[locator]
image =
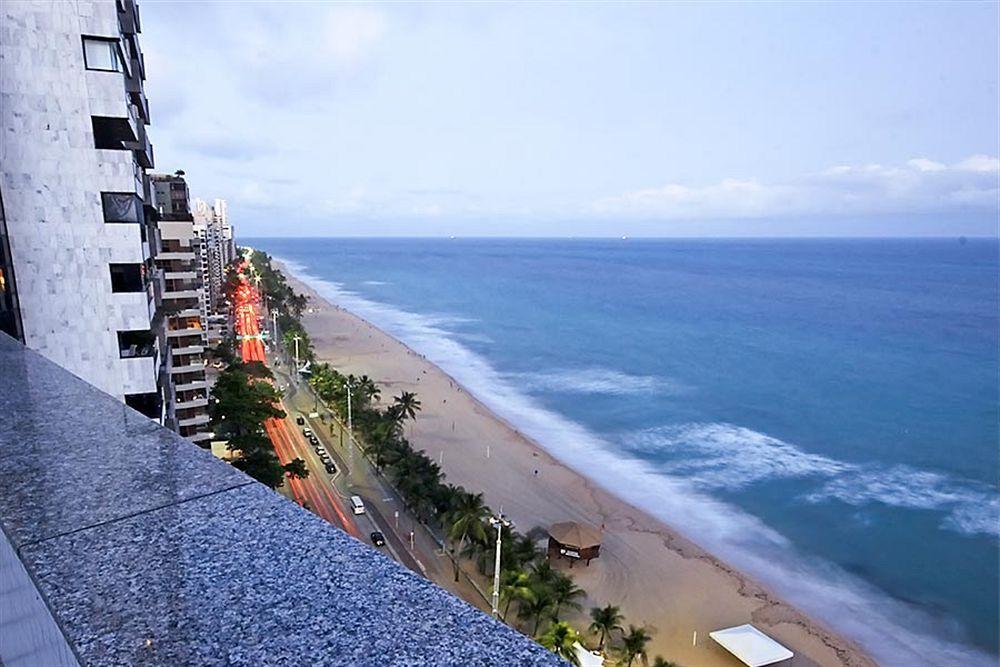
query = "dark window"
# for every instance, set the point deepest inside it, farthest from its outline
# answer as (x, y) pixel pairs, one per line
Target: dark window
(121, 207)
(127, 278)
(102, 54)
(111, 132)
(147, 404)
(139, 343)
(178, 186)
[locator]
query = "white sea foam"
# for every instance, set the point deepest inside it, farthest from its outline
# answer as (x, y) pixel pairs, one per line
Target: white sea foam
(896, 634)
(727, 456)
(594, 381)
(724, 456)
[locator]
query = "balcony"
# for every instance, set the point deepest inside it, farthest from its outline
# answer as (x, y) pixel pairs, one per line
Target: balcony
(200, 436)
(191, 386)
(141, 146)
(187, 368)
(190, 403)
(197, 420)
(190, 349)
(179, 255)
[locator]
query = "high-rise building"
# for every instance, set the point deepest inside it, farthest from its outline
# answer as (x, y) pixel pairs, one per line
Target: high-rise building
(77, 279)
(183, 337)
(218, 251)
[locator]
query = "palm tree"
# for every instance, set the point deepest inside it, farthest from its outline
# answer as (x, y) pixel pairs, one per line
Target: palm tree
(406, 405)
(537, 607)
(561, 640)
(605, 621)
(515, 586)
(660, 661)
(468, 521)
(634, 644)
(565, 593)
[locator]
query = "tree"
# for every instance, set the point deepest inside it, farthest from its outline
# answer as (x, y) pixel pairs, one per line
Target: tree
(537, 607)
(561, 639)
(565, 593)
(606, 620)
(406, 405)
(296, 468)
(634, 645)
(467, 520)
(514, 586)
(660, 661)
(241, 405)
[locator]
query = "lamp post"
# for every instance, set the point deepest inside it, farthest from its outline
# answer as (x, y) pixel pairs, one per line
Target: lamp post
(499, 522)
(350, 424)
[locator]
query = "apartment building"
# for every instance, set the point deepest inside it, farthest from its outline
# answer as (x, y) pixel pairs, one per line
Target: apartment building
(218, 250)
(183, 337)
(77, 278)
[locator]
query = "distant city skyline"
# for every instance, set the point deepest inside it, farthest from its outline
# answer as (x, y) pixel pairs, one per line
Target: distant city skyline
(323, 119)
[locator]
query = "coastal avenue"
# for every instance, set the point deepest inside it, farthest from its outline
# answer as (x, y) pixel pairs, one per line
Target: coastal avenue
(286, 439)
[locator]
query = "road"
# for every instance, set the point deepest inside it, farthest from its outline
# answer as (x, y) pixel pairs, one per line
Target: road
(328, 495)
(315, 491)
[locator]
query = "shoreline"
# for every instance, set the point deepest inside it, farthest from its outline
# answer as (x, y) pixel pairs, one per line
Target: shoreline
(659, 577)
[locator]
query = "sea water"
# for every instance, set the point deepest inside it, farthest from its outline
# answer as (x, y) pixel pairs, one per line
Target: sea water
(821, 413)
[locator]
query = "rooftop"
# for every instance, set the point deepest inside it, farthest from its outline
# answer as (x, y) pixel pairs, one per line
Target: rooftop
(124, 543)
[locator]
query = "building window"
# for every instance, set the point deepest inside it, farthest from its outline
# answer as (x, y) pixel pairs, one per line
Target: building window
(140, 343)
(101, 54)
(111, 132)
(121, 207)
(147, 404)
(127, 278)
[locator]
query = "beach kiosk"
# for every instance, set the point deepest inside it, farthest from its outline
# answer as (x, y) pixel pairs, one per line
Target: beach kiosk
(574, 541)
(751, 646)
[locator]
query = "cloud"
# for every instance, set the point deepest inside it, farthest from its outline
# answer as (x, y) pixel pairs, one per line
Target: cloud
(353, 33)
(920, 185)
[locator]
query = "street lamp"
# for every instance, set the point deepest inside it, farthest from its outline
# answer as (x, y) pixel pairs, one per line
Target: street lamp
(350, 425)
(499, 522)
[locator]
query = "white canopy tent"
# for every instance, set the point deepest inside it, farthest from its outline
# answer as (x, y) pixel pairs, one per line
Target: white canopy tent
(751, 646)
(587, 658)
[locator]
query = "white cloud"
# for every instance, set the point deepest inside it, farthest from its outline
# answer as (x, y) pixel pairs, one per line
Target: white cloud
(919, 185)
(353, 33)
(980, 163)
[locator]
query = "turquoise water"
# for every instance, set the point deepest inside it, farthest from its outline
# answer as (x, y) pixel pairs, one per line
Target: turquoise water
(822, 413)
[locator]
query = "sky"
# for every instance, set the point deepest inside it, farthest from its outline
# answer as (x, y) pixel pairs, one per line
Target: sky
(581, 119)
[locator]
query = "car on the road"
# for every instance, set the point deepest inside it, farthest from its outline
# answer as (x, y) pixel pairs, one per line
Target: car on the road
(313, 439)
(307, 432)
(300, 420)
(330, 468)
(357, 505)
(378, 539)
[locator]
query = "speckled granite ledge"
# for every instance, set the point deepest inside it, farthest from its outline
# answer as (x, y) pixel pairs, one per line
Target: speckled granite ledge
(148, 551)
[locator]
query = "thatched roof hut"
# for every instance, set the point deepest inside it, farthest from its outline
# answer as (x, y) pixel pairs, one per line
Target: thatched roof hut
(574, 541)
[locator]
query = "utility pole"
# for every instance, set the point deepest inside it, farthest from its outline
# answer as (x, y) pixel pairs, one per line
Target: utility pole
(499, 522)
(350, 424)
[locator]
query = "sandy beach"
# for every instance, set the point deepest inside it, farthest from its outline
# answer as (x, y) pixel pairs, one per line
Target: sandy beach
(659, 578)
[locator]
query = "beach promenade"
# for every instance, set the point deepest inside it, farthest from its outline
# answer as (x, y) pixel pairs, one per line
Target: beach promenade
(658, 577)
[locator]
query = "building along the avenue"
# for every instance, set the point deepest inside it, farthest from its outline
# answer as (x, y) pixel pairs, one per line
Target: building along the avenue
(77, 278)
(184, 338)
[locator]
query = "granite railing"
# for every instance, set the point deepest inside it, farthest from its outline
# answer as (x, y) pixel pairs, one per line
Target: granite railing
(124, 544)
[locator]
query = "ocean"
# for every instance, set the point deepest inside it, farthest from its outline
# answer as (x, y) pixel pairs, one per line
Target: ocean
(821, 413)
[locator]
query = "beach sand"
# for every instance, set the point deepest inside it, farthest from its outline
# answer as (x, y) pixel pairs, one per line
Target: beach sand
(659, 578)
